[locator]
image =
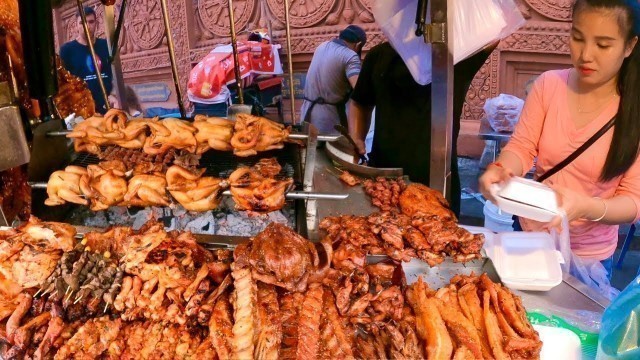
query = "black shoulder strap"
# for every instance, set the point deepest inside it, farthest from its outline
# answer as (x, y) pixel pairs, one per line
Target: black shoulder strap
(578, 151)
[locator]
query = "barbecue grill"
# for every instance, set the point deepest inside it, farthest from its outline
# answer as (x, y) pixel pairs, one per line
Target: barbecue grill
(53, 152)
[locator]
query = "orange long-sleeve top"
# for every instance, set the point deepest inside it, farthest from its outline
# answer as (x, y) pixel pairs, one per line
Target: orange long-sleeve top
(547, 132)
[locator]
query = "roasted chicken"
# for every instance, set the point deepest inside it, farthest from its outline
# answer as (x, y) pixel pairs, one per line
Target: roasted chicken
(170, 134)
(147, 190)
(104, 184)
(194, 191)
(253, 191)
(253, 134)
(418, 198)
(64, 186)
(213, 133)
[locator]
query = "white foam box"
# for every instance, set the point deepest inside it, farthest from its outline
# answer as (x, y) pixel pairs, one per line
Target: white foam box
(526, 198)
(525, 260)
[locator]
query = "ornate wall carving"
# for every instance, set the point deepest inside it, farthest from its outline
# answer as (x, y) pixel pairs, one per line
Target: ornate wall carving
(553, 9)
(546, 33)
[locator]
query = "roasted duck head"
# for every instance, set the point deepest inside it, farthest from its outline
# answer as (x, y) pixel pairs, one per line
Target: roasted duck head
(281, 257)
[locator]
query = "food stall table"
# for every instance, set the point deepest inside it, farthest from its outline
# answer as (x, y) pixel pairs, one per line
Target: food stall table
(486, 132)
(570, 294)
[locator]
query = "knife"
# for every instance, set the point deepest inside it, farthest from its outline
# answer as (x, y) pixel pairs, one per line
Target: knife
(344, 132)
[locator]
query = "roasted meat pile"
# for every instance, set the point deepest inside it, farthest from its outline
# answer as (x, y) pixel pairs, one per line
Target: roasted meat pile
(150, 294)
(247, 136)
(400, 237)
(110, 183)
(142, 162)
(472, 318)
(157, 289)
(384, 192)
(15, 193)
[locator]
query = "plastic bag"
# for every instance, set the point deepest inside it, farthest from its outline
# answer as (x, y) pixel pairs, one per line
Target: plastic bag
(588, 271)
(585, 324)
(503, 112)
(476, 23)
(620, 330)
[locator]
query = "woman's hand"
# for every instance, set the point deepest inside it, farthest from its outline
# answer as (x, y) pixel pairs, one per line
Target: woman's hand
(575, 206)
(495, 174)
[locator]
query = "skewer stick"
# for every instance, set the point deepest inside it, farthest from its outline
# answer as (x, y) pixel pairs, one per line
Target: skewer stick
(45, 292)
(36, 294)
(69, 297)
(106, 306)
(77, 300)
(67, 291)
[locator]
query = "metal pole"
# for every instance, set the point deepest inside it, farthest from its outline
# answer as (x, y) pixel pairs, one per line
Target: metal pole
(236, 58)
(83, 16)
(288, 36)
(172, 57)
(441, 96)
(110, 30)
(116, 35)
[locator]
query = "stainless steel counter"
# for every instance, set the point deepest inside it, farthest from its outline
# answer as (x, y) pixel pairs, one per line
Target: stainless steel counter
(570, 294)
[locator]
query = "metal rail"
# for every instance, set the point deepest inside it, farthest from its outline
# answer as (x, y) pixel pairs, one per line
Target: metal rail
(172, 57)
(326, 138)
(291, 195)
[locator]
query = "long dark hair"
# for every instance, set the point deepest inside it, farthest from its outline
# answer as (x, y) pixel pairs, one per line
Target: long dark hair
(625, 144)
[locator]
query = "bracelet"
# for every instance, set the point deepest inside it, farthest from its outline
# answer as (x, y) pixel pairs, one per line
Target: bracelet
(605, 210)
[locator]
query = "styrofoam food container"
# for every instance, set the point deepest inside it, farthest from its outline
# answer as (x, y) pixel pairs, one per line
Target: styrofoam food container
(526, 260)
(558, 343)
(526, 198)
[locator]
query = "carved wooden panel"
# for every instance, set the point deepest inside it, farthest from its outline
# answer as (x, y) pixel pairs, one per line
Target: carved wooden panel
(144, 24)
(553, 9)
(544, 38)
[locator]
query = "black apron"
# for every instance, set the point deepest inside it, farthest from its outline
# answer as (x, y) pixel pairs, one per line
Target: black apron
(340, 106)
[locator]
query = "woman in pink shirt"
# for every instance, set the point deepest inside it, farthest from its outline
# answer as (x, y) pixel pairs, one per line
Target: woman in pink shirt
(601, 188)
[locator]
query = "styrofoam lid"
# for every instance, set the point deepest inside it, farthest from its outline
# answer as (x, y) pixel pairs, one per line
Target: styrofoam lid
(527, 198)
(526, 260)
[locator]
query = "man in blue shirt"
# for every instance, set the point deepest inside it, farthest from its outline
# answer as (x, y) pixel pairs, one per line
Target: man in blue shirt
(76, 57)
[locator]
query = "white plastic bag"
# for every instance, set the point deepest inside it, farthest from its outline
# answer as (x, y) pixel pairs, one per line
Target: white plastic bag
(590, 272)
(476, 24)
(503, 112)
